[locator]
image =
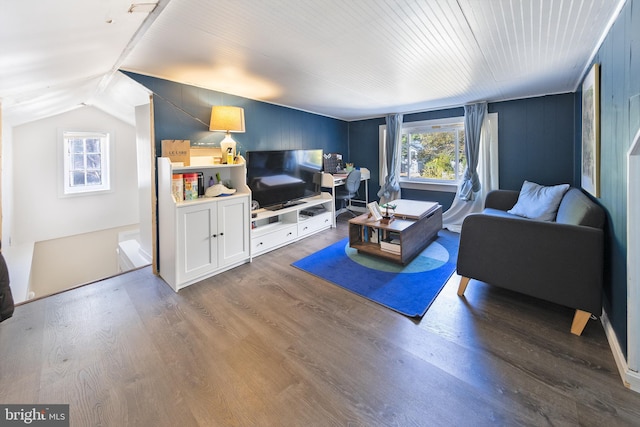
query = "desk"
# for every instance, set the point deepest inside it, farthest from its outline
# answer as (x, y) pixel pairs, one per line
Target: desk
(330, 182)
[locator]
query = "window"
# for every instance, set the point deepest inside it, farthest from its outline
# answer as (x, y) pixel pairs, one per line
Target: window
(86, 162)
(432, 151)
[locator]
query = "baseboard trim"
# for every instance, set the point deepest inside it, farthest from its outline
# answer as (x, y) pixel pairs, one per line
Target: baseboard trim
(630, 379)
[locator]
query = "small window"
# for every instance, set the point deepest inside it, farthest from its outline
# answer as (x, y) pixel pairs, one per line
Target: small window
(86, 162)
(432, 151)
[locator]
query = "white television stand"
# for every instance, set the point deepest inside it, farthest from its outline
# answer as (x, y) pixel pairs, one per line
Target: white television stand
(272, 229)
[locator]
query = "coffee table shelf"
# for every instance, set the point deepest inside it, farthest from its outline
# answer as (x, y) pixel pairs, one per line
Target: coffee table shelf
(412, 232)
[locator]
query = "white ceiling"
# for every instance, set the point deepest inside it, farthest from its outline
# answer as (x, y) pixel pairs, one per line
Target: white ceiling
(345, 59)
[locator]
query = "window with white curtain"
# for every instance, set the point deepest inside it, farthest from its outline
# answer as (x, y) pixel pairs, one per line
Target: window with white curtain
(86, 162)
(432, 153)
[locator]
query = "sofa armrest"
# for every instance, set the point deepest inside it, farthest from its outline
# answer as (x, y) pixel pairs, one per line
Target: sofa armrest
(501, 199)
(561, 263)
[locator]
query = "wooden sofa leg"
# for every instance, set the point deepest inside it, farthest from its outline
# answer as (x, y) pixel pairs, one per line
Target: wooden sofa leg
(579, 322)
(464, 281)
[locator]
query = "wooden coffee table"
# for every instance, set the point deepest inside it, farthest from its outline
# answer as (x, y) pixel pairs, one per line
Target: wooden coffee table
(414, 226)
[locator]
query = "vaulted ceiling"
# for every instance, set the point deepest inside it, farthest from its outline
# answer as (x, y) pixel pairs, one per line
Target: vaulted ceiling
(345, 59)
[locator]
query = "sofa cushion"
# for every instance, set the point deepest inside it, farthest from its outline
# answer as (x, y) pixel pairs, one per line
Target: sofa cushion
(501, 214)
(577, 209)
(539, 202)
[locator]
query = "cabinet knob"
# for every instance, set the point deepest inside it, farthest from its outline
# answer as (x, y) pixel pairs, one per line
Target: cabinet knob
(222, 234)
(214, 235)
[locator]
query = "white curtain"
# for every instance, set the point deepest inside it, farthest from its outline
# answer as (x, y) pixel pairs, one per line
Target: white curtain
(390, 188)
(487, 170)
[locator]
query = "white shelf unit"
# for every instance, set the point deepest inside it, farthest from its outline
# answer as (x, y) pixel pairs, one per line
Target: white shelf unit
(273, 229)
(203, 237)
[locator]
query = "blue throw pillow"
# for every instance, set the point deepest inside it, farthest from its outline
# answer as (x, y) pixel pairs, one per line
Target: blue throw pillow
(539, 202)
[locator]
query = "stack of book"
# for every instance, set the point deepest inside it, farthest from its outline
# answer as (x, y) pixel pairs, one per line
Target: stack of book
(392, 246)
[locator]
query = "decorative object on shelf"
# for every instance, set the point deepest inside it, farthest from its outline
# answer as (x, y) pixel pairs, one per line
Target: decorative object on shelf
(590, 177)
(218, 190)
(177, 150)
(227, 119)
(387, 217)
(374, 211)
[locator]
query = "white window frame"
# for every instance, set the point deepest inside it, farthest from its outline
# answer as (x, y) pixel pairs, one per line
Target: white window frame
(66, 189)
(420, 183)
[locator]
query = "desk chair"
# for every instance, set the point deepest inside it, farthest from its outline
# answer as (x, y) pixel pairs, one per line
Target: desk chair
(350, 190)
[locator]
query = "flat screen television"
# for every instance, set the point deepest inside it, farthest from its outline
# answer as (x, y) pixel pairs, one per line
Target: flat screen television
(280, 178)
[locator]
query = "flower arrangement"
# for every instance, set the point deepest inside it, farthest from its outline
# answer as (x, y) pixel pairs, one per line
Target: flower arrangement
(387, 217)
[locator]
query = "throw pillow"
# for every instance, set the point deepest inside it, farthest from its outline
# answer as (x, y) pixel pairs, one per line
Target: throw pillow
(539, 202)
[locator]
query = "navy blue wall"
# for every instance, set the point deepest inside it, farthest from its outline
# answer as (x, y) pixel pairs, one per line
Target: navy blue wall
(619, 59)
(183, 112)
(363, 150)
(535, 140)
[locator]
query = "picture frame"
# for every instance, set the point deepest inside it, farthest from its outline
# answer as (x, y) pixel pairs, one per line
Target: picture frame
(590, 169)
(375, 211)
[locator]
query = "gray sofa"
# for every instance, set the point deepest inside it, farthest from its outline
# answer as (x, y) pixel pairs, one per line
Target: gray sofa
(559, 261)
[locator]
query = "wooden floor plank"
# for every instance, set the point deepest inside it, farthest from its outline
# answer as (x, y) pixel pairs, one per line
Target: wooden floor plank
(268, 344)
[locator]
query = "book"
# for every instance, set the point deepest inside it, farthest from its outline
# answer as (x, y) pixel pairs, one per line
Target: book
(391, 251)
(391, 246)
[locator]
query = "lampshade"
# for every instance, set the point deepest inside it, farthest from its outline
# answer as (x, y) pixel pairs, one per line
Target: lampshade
(227, 119)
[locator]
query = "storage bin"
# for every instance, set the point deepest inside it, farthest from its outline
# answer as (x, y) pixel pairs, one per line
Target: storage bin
(190, 186)
(177, 187)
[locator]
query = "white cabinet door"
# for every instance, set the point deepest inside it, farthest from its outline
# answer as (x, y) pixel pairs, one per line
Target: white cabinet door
(315, 223)
(233, 240)
(197, 240)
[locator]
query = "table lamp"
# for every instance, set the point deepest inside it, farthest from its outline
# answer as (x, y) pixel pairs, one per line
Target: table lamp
(227, 119)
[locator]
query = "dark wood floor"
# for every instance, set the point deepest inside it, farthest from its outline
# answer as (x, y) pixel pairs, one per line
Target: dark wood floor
(269, 345)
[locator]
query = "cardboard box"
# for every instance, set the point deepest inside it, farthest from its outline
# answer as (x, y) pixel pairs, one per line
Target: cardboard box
(178, 150)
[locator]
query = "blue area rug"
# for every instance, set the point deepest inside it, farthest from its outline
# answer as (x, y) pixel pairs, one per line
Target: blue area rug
(409, 289)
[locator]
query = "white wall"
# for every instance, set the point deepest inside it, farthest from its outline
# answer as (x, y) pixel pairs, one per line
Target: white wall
(38, 213)
(145, 160)
(7, 181)
(18, 258)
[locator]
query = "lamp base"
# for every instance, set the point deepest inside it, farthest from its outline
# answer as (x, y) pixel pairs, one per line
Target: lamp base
(226, 144)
